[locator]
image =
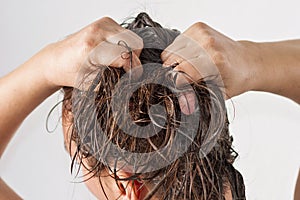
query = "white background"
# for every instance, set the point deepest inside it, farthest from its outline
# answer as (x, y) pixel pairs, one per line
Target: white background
(266, 127)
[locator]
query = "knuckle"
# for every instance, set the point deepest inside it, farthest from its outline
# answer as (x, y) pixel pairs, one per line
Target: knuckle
(200, 25)
(219, 59)
(92, 29)
(106, 19)
(181, 68)
(97, 27)
(90, 36)
(135, 42)
(88, 43)
(94, 33)
(210, 42)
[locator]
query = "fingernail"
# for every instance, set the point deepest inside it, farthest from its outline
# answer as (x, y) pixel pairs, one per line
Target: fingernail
(165, 65)
(187, 103)
(181, 80)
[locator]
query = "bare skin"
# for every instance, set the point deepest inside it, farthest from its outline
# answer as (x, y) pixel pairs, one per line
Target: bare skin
(297, 189)
(243, 65)
(41, 75)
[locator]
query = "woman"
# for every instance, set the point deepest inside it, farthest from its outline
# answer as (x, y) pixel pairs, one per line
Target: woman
(231, 58)
(129, 132)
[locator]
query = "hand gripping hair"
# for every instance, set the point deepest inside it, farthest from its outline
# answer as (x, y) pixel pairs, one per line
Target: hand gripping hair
(137, 126)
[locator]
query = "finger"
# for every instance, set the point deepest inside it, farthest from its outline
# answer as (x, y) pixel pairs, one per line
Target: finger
(190, 52)
(201, 67)
(175, 46)
(187, 102)
(204, 67)
(184, 47)
(134, 66)
(130, 63)
(128, 37)
(187, 74)
(108, 54)
(115, 56)
(172, 60)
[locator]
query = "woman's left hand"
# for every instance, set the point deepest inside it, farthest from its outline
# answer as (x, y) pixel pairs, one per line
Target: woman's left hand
(97, 44)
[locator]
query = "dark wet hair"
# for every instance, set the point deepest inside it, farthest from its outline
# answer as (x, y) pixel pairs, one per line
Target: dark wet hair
(203, 171)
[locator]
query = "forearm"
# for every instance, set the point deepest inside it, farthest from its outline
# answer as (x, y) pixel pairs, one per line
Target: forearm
(297, 189)
(278, 68)
(6, 193)
(21, 92)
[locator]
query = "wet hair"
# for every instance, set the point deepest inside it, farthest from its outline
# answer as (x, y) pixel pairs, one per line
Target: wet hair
(203, 171)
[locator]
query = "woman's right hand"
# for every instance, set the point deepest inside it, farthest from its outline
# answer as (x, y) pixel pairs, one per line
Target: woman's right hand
(61, 61)
(202, 52)
(242, 66)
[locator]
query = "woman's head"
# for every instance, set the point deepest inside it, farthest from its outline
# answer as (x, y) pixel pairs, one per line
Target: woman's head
(132, 140)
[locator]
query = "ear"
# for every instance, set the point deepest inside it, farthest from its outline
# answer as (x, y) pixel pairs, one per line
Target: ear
(130, 190)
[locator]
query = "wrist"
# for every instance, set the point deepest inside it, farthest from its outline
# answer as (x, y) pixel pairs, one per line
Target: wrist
(250, 66)
(264, 65)
(268, 65)
(48, 63)
(39, 66)
(279, 68)
(62, 61)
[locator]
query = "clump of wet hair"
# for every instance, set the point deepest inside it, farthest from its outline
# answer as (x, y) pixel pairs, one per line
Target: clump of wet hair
(192, 175)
